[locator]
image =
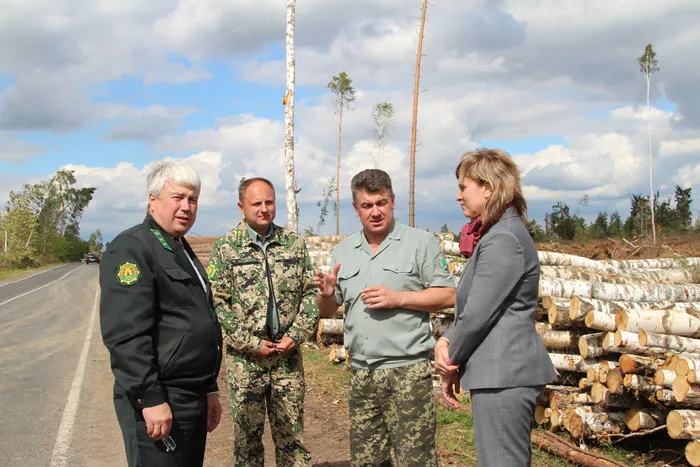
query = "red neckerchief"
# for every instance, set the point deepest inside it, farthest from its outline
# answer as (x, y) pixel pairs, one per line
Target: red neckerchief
(471, 234)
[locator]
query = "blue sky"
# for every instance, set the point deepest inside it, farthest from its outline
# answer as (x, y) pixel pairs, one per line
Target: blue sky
(105, 88)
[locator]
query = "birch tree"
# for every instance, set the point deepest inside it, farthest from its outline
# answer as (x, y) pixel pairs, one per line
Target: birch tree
(341, 87)
(648, 65)
(382, 123)
(414, 127)
(289, 175)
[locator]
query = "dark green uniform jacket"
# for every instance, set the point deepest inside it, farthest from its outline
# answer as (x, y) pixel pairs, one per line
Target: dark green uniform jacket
(157, 322)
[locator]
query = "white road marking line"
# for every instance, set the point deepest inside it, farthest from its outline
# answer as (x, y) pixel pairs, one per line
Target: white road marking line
(45, 285)
(29, 277)
(59, 457)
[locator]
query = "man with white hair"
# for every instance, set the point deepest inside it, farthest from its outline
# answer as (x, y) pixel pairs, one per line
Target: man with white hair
(159, 324)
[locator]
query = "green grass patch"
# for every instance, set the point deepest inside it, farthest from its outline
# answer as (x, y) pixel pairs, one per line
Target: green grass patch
(8, 274)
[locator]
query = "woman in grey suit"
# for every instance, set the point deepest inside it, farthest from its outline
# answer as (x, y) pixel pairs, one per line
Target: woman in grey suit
(492, 348)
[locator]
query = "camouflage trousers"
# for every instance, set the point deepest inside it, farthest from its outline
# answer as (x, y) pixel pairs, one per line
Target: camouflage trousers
(276, 384)
(392, 407)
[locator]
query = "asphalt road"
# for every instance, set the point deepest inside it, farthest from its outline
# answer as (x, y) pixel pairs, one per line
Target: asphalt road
(48, 337)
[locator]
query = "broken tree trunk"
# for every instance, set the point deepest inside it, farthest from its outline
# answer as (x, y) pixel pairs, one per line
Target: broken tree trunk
(591, 345)
(552, 443)
(669, 342)
(675, 322)
(637, 364)
(644, 419)
(683, 424)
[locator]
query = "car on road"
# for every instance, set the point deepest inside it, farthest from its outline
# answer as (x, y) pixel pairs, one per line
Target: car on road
(92, 258)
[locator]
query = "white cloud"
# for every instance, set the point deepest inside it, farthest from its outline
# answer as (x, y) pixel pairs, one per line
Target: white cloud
(679, 147)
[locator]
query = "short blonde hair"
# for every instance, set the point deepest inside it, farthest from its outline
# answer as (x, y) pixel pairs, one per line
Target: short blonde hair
(495, 167)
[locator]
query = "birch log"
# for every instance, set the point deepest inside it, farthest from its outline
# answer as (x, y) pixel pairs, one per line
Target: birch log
(683, 424)
(657, 263)
(559, 340)
(564, 288)
(639, 384)
(338, 354)
(683, 391)
(644, 419)
(675, 322)
(600, 321)
(665, 378)
(598, 424)
(580, 306)
(558, 314)
(614, 382)
(329, 330)
(591, 345)
(550, 258)
(572, 412)
(559, 400)
(645, 293)
(566, 362)
(692, 453)
(542, 414)
(684, 363)
(594, 372)
(629, 342)
(630, 363)
(669, 342)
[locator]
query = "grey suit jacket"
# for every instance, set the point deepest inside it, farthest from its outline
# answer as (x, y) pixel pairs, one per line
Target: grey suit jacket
(493, 336)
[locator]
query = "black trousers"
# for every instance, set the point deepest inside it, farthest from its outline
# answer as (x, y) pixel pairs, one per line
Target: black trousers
(189, 431)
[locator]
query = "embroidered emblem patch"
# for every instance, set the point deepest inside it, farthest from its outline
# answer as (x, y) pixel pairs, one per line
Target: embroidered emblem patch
(211, 271)
(128, 273)
(161, 239)
(443, 265)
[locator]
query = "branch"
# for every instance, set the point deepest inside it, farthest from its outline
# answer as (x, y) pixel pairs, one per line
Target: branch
(621, 437)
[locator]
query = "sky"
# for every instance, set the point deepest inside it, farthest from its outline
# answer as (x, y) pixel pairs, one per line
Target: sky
(105, 88)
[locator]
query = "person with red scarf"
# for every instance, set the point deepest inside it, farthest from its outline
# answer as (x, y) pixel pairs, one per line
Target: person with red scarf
(492, 348)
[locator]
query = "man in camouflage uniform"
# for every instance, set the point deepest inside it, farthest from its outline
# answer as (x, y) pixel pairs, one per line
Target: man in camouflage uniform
(389, 277)
(264, 293)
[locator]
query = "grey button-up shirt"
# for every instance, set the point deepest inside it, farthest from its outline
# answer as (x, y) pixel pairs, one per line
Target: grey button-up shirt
(407, 260)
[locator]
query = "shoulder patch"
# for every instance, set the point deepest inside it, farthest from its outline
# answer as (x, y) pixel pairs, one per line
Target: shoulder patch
(443, 264)
(161, 239)
(238, 237)
(128, 273)
(211, 271)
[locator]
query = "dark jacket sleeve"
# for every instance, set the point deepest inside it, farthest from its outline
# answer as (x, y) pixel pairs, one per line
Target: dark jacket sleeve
(500, 265)
(128, 319)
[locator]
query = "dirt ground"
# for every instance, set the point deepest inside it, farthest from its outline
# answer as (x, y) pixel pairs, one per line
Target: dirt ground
(629, 248)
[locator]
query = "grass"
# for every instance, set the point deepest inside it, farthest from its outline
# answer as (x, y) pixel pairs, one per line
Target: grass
(7, 274)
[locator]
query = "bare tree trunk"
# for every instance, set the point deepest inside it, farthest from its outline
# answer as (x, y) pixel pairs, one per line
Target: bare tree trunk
(337, 173)
(289, 178)
(414, 128)
(651, 169)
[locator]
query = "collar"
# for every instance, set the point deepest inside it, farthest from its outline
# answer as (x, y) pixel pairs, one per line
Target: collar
(165, 239)
(395, 233)
(256, 236)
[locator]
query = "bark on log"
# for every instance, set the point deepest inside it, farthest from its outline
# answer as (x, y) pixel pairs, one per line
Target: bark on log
(550, 258)
(591, 345)
(558, 314)
(685, 363)
(566, 362)
(683, 424)
(669, 342)
(563, 288)
(584, 384)
(665, 378)
(560, 400)
(450, 248)
(600, 321)
(576, 411)
(330, 331)
(598, 424)
(692, 453)
(646, 292)
(558, 446)
(640, 385)
(656, 263)
(644, 419)
(629, 342)
(675, 322)
(559, 340)
(604, 369)
(580, 306)
(637, 364)
(588, 274)
(439, 323)
(601, 396)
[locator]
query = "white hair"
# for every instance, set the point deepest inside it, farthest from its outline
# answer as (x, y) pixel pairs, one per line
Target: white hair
(176, 171)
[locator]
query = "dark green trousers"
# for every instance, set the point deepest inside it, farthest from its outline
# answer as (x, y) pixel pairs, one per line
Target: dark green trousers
(189, 431)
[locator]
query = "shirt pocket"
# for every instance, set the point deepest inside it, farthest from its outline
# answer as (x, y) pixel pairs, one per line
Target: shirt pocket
(399, 276)
(349, 283)
(179, 290)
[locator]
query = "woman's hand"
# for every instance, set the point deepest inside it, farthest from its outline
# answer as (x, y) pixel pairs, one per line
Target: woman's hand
(450, 389)
(443, 365)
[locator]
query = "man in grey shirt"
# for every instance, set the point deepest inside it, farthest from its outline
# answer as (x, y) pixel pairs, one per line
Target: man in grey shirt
(390, 277)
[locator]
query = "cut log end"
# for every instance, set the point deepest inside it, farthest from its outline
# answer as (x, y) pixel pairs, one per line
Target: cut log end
(692, 453)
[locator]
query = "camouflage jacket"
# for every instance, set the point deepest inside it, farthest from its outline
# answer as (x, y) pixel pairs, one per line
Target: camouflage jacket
(240, 288)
